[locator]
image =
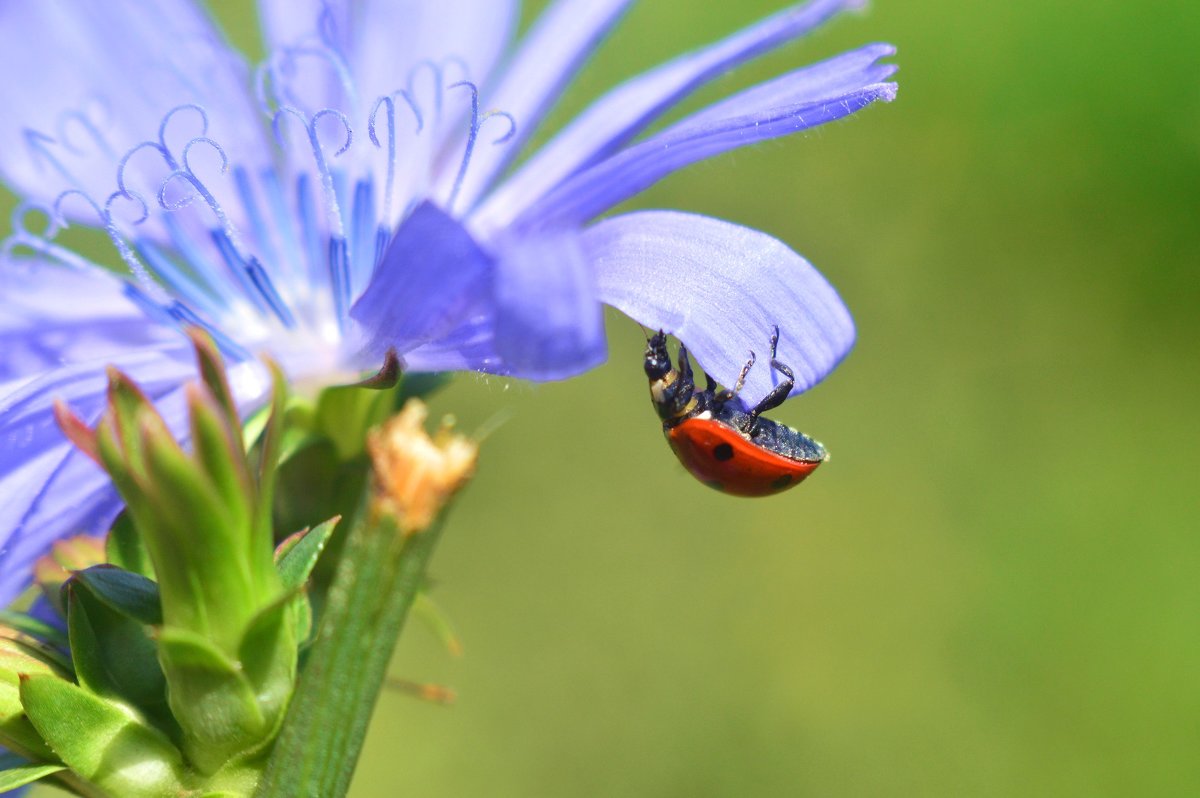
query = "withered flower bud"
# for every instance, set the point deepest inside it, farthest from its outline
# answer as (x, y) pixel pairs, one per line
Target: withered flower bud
(416, 474)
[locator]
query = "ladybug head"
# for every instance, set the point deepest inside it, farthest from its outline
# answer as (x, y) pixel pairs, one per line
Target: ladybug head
(671, 389)
(658, 361)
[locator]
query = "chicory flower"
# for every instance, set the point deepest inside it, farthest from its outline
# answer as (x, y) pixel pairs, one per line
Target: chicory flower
(365, 191)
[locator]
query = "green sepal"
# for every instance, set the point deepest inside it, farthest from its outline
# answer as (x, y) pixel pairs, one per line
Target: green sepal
(100, 741)
(124, 547)
(268, 658)
(270, 443)
(198, 542)
(113, 457)
(116, 658)
(16, 732)
(212, 699)
(37, 649)
(65, 557)
(129, 594)
(295, 559)
(219, 455)
(126, 403)
(344, 414)
(313, 484)
(212, 373)
(14, 776)
(296, 556)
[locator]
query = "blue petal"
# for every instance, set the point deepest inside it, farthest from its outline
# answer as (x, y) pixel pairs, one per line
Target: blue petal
(431, 276)
(378, 44)
(549, 324)
(549, 56)
(97, 79)
(721, 288)
(48, 489)
(471, 346)
(794, 102)
(615, 119)
(51, 315)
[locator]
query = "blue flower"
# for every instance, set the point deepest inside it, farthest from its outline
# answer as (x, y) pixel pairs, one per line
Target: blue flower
(365, 189)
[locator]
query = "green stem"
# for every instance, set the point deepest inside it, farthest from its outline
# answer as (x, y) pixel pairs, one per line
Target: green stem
(378, 576)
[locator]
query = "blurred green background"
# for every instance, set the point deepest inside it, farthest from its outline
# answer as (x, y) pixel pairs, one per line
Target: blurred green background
(992, 589)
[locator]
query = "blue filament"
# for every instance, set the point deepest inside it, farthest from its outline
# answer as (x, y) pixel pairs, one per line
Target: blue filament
(318, 264)
(236, 267)
(362, 229)
(201, 264)
(177, 280)
(339, 277)
(262, 281)
(282, 218)
(185, 317)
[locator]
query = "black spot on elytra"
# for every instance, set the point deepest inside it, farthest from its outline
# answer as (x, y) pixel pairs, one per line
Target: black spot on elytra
(723, 451)
(782, 482)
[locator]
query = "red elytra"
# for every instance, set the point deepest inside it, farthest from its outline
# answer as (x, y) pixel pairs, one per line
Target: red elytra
(719, 455)
(728, 448)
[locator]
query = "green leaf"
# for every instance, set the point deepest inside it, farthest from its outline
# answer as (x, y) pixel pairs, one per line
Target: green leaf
(298, 555)
(129, 594)
(212, 699)
(14, 777)
(33, 627)
(115, 657)
(101, 741)
(124, 547)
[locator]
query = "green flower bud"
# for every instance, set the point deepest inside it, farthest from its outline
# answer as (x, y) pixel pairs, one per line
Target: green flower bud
(227, 640)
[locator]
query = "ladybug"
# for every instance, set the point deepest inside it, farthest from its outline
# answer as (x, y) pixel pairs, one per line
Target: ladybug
(725, 446)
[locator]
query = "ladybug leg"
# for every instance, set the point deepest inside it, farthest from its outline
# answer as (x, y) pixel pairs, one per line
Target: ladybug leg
(687, 382)
(685, 364)
(780, 392)
(727, 395)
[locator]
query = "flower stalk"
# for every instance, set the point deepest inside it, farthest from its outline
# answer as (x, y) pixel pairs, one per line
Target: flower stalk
(380, 576)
